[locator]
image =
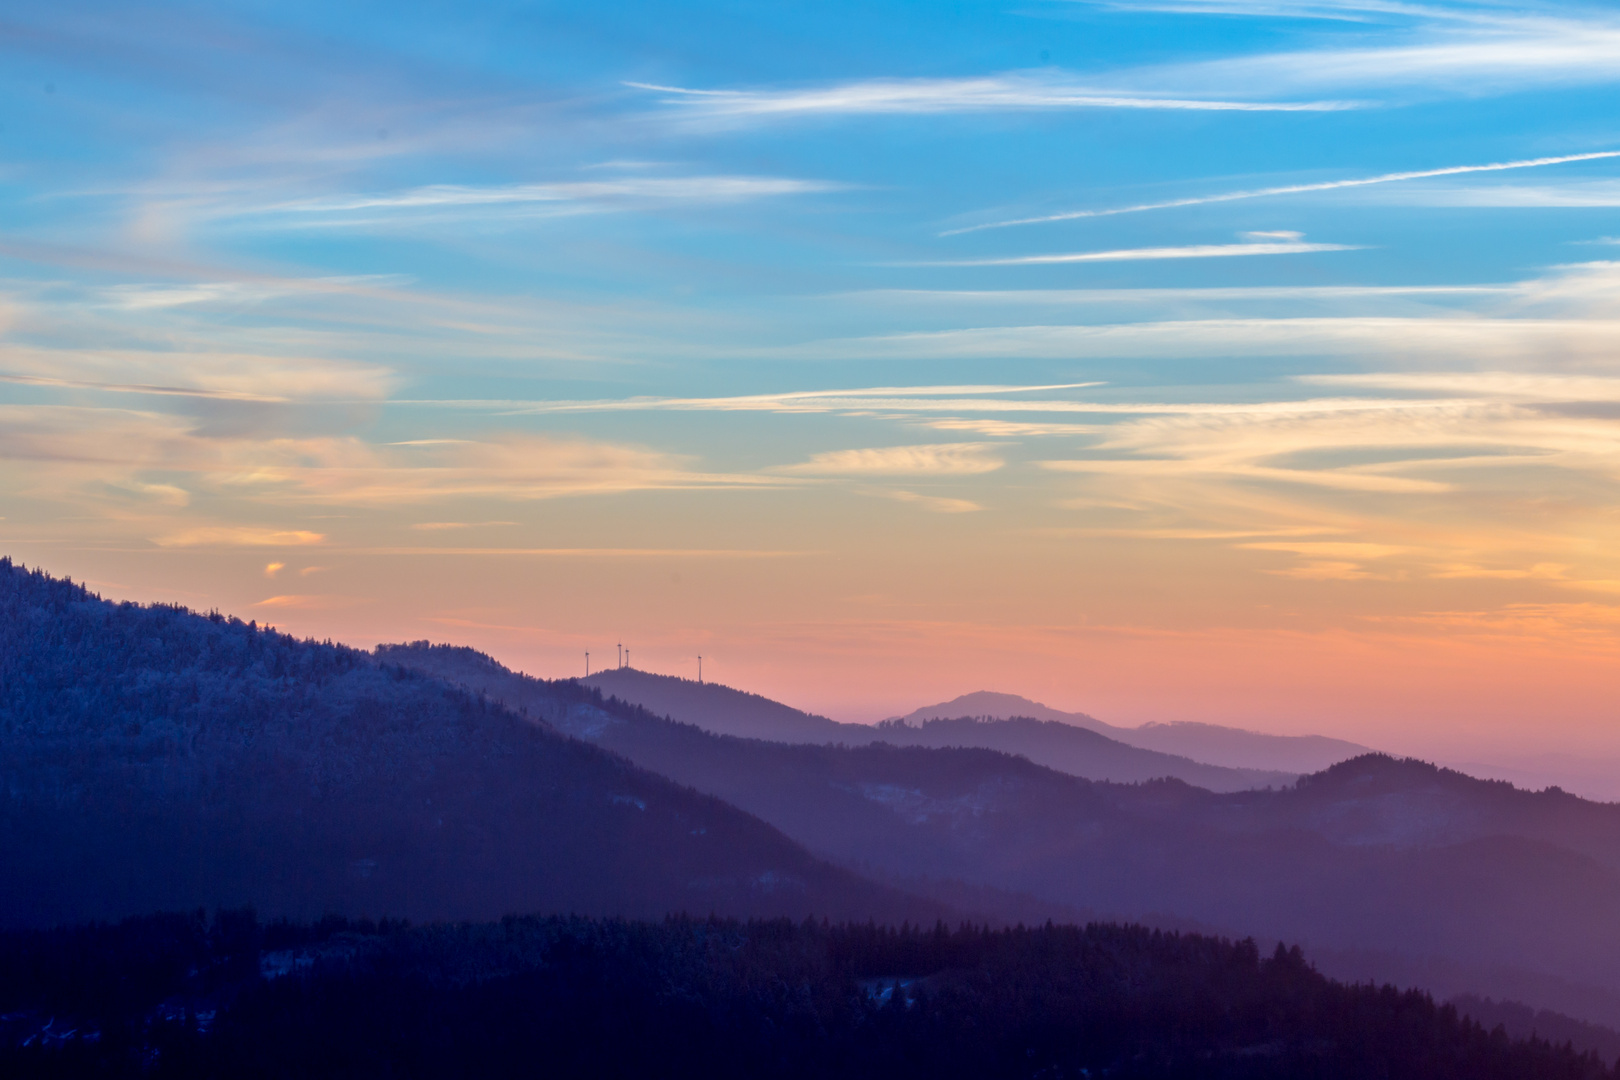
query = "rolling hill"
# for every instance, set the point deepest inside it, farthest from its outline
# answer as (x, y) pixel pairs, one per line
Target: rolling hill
(155, 758)
(1383, 867)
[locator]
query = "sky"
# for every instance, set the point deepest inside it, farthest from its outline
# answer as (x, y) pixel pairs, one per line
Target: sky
(1243, 361)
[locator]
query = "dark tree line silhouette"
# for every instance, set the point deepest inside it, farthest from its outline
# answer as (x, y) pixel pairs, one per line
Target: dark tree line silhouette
(182, 996)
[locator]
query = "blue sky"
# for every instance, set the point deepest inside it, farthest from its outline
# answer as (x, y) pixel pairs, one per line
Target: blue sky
(884, 351)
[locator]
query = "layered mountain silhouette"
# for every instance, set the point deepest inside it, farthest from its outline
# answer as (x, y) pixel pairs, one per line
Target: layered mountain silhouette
(154, 758)
(1381, 866)
(1209, 743)
(1065, 746)
(151, 757)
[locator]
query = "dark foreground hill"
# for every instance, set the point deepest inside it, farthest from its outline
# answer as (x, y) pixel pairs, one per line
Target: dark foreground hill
(1383, 868)
(155, 758)
(1075, 749)
(171, 997)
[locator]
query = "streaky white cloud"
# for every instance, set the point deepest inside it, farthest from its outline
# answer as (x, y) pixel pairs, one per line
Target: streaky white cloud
(1338, 10)
(140, 297)
(164, 494)
(1326, 549)
(809, 401)
(1337, 479)
(316, 602)
(440, 526)
(900, 406)
(1327, 570)
(1158, 295)
(197, 373)
(1150, 533)
(1448, 337)
(1187, 251)
(1209, 468)
(1017, 91)
(594, 192)
(517, 467)
(1010, 429)
(941, 459)
(1290, 189)
(1442, 50)
(239, 536)
(936, 504)
(1573, 195)
(588, 552)
(1526, 387)
(1539, 571)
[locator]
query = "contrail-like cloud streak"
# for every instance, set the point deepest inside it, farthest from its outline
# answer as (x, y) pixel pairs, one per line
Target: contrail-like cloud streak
(1194, 251)
(924, 96)
(1290, 189)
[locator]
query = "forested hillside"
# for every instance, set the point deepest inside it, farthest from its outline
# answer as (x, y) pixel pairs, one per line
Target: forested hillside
(1390, 866)
(172, 996)
(151, 758)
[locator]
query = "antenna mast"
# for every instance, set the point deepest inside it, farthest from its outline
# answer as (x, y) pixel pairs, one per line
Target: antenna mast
(587, 663)
(700, 671)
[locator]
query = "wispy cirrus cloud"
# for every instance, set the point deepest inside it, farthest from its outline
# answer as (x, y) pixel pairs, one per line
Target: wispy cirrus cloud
(1441, 49)
(1442, 337)
(198, 372)
(589, 552)
(1013, 91)
(1185, 251)
(1388, 11)
(930, 398)
(936, 504)
(513, 467)
(1526, 387)
(933, 459)
(239, 536)
(314, 602)
(1167, 294)
(572, 197)
(1289, 189)
(1572, 194)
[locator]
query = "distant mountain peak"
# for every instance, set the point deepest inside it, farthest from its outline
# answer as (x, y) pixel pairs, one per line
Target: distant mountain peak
(996, 705)
(1212, 744)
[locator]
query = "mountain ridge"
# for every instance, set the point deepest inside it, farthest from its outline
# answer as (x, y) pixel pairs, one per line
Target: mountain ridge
(1395, 861)
(155, 758)
(1213, 744)
(1076, 750)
